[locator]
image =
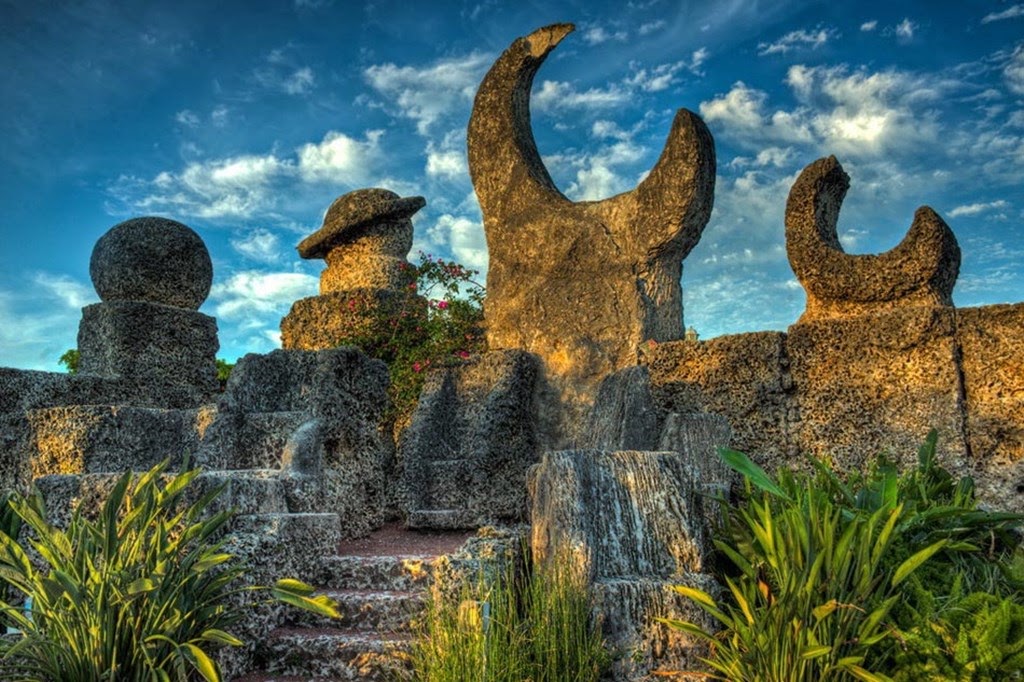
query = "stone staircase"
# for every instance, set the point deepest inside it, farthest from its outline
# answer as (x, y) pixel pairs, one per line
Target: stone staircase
(380, 583)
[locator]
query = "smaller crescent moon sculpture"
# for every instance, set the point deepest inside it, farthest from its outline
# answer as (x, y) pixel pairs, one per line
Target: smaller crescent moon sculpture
(920, 270)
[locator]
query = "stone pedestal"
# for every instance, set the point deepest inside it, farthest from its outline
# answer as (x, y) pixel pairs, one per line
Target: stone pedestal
(164, 356)
(325, 321)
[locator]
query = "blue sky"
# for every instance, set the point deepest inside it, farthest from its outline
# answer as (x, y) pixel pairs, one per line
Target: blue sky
(244, 120)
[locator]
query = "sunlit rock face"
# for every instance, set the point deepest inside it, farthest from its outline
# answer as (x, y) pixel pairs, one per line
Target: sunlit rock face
(584, 284)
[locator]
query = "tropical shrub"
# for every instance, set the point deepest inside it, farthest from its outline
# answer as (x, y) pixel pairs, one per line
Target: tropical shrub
(413, 338)
(141, 592)
(509, 628)
(821, 568)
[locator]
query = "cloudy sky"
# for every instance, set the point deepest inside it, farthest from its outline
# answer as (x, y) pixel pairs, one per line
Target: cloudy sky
(245, 120)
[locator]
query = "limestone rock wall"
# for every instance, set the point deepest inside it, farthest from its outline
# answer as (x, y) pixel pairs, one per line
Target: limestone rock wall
(474, 434)
(856, 387)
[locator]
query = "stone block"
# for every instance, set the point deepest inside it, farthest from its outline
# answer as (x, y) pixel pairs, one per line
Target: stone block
(624, 416)
(480, 416)
(877, 384)
(164, 356)
(742, 377)
(634, 525)
(270, 397)
(991, 341)
(326, 321)
(104, 438)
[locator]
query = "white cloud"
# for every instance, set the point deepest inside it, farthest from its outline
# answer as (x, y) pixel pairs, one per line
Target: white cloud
(659, 78)
(1013, 72)
(975, 209)
(597, 35)
(340, 158)
(1011, 12)
(905, 30)
(428, 94)
(778, 157)
(249, 185)
(445, 164)
(798, 39)
(219, 116)
(560, 95)
(259, 244)
(69, 292)
(260, 297)
(869, 25)
(187, 118)
(698, 57)
(465, 238)
(299, 82)
(651, 27)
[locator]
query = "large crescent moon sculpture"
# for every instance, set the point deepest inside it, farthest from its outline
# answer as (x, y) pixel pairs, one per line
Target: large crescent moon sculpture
(582, 284)
(920, 270)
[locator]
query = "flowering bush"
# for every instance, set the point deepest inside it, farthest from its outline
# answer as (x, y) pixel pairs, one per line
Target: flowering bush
(437, 323)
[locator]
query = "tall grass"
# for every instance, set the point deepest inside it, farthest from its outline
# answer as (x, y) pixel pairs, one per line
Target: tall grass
(143, 592)
(511, 627)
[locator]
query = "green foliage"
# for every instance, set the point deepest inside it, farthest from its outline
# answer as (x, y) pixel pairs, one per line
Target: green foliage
(976, 638)
(224, 371)
(70, 360)
(509, 630)
(413, 336)
(142, 592)
(820, 566)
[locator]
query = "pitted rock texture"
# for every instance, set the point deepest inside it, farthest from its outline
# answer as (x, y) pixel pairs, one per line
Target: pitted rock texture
(877, 384)
(471, 440)
(580, 284)
(365, 238)
(624, 416)
(163, 356)
(264, 419)
(991, 340)
(323, 322)
(634, 524)
(355, 215)
(743, 377)
(110, 438)
(921, 270)
(152, 259)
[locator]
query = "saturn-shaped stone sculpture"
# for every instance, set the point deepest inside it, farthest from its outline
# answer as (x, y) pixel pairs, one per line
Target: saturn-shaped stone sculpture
(365, 239)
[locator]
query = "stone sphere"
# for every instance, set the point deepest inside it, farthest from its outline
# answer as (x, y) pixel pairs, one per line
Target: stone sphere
(152, 259)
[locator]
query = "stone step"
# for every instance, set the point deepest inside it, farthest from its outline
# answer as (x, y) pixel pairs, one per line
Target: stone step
(325, 653)
(450, 483)
(367, 610)
(247, 491)
(279, 545)
(442, 519)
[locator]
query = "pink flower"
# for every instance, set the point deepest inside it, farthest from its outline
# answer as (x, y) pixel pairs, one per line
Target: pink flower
(463, 354)
(416, 366)
(442, 305)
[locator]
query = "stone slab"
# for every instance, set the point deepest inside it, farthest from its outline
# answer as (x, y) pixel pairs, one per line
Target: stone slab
(877, 384)
(742, 377)
(109, 438)
(991, 342)
(164, 356)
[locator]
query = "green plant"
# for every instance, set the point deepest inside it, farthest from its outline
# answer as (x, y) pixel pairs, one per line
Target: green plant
(142, 592)
(223, 372)
(817, 563)
(438, 323)
(70, 360)
(976, 638)
(508, 628)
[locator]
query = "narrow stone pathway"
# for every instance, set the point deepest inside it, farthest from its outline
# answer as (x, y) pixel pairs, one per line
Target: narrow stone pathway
(380, 583)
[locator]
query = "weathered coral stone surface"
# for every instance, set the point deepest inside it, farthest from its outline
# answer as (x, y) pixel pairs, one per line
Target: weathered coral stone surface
(582, 284)
(920, 270)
